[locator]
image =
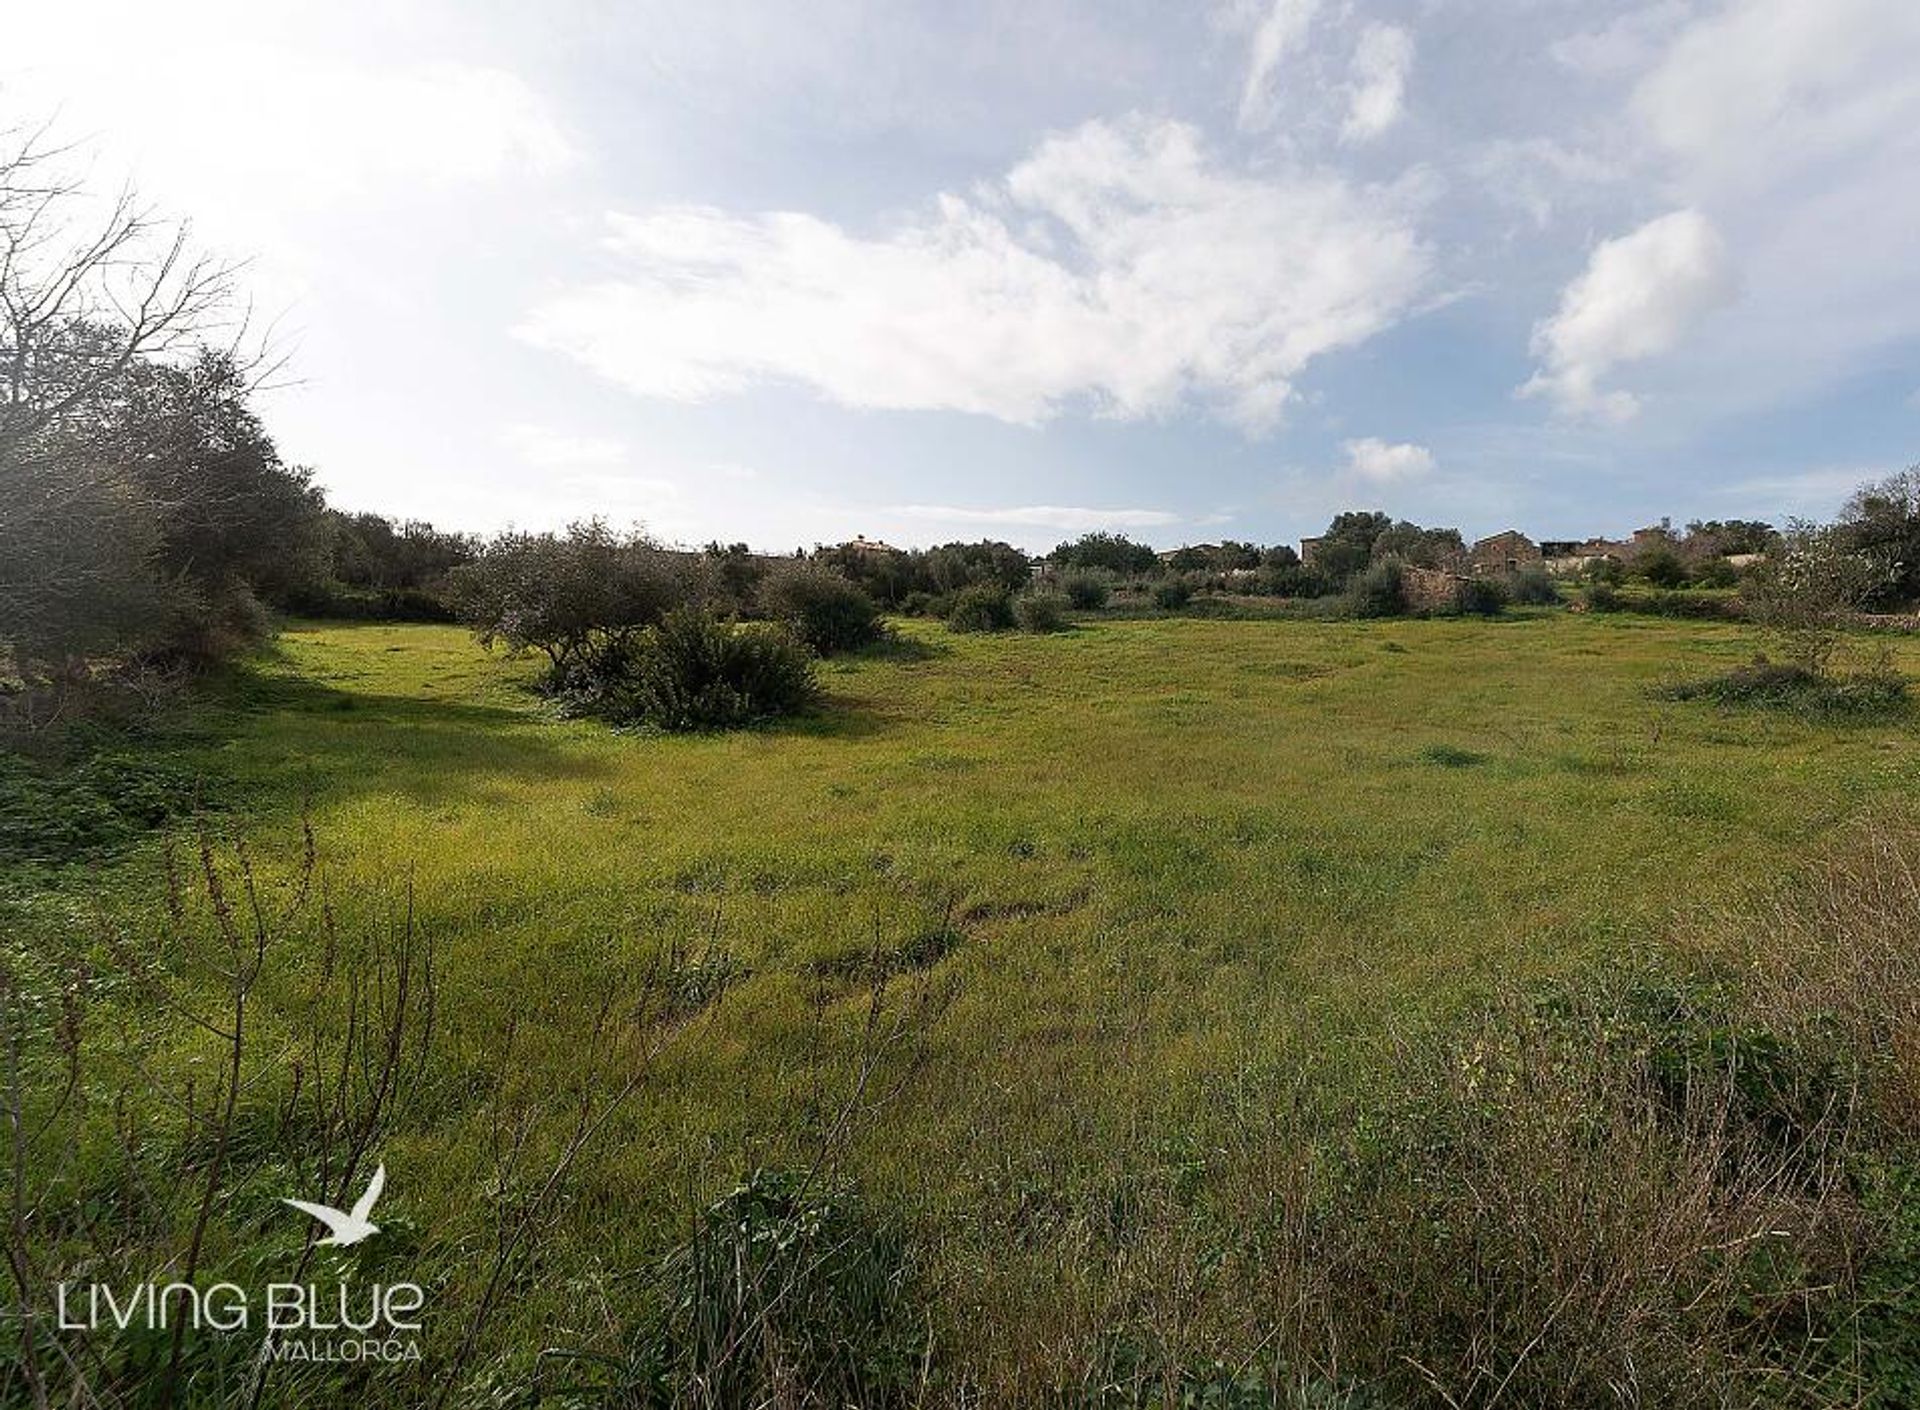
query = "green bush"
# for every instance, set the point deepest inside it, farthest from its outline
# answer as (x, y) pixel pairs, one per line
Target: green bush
(823, 607)
(1782, 686)
(696, 672)
(1172, 595)
(1603, 596)
(1377, 591)
(1480, 597)
(1533, 586)
(1662, 566)
(1087, 590)
(1041, 611)
(981, 607)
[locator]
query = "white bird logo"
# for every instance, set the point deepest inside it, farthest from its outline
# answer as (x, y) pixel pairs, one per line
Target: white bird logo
(347, 1229)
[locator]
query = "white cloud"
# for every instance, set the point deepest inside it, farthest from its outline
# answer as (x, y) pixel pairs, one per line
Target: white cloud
(1381, 61)
(1815, 493)
(1639, 295)
(545, 448)
(1118, 264)
(1538, 175)
(1383, 463)
(1762, 85)
(1066, 518)
(1624, 45)
(1281, 31)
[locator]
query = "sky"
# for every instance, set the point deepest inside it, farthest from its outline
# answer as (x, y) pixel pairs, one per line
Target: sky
(1025, 269)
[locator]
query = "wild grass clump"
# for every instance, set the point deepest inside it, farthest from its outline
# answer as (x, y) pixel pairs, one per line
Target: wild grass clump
(789, 1292)
(694, 672)
(1041, 611)
(1682, 1181)
(90, 803)
(981, 607)
(1877, 689)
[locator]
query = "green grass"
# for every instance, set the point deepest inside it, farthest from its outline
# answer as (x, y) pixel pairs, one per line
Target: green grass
(1157, 856)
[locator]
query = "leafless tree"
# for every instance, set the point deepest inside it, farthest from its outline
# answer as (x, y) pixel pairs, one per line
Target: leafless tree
(87, 285)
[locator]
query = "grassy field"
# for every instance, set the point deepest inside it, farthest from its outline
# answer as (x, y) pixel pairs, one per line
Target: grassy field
(1150, 864)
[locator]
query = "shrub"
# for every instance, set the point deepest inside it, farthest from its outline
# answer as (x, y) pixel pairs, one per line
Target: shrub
(1603, 596)
(921, 604)
(567, 596)
(696, 672)
(1172, 595)
(1480, 597)
(1041, 611)
(1662, 566)
(981, 607)
(1718, 573)
(1533, 586)
(1377, 591)
(1087, 590)
(1793, 686)
(824, 609)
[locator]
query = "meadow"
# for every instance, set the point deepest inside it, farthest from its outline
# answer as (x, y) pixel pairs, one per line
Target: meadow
(1106, 893)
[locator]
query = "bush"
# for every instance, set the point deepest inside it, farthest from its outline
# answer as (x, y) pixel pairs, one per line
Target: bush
(1603, 596)
(1041, 611)
(1533, 586)
(825, 610)
(981, 607)
(1480, 597)
(1172, 595)
(1087, 590)
(1791, 686)
(1378, 591)
(1662, 566)
(921, 604)
(696, 672)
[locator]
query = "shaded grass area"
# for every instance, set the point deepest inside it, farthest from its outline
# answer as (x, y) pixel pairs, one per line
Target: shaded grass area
(1176, 869)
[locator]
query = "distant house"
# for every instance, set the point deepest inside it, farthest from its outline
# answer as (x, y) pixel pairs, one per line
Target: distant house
(1503, 552)
(1310, 547)
(860, 543)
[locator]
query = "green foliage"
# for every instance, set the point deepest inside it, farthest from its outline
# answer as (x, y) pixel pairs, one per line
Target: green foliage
(90, 804)
(789, 1291)
(1662, 566)
(981, 607)
(569, 596)
(1881, 522)
(694, 672)
(1115, 553)
(1041, 611)
(1480, 597)
(1172, 595)
(1791, 686)
(1087, 589)
(144, 524)
(1532, 586)
(821, 606)
(1378, 591)
(1451, 756)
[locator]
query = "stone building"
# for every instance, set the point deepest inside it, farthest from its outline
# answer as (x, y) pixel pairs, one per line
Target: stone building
(1503, 552)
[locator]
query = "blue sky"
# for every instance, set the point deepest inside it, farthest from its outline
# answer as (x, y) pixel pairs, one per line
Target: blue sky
(921, 271)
